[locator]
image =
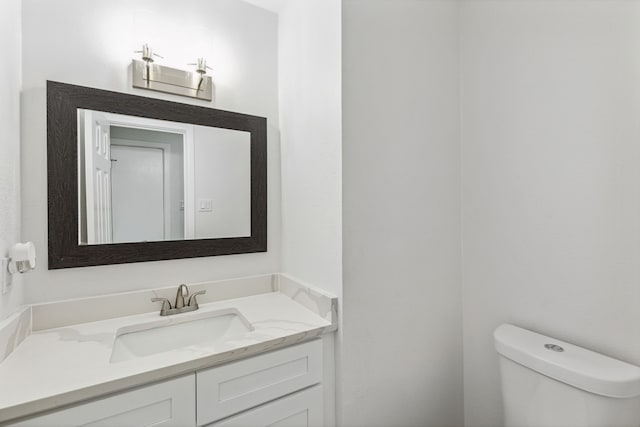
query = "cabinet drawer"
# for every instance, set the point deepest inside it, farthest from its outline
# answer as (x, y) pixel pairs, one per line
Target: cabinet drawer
(226, 390)
(167, 404)
(301, 409)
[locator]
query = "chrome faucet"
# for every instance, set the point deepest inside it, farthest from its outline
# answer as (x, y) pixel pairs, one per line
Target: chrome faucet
(183, 292)
(179, 306)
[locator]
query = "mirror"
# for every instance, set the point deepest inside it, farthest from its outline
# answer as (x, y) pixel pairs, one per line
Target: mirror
(152, 180)
(135, 179)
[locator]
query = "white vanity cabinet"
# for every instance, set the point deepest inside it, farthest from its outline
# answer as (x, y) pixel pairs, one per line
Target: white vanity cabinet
(167, 404)
(301, 409)
(230, 389)
(279, 388)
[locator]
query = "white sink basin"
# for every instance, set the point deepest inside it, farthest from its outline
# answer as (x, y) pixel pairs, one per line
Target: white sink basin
(171, 333)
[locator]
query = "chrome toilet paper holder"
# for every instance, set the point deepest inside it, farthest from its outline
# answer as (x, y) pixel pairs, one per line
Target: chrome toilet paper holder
(22, 258)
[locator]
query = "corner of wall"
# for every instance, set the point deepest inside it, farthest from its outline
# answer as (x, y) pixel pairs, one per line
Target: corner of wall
(311, 141)
(10, 200)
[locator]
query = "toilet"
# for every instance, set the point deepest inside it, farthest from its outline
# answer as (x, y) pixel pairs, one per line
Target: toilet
(550, 383)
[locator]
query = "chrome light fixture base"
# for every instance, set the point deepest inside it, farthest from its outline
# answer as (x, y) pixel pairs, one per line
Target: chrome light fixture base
(151, 76)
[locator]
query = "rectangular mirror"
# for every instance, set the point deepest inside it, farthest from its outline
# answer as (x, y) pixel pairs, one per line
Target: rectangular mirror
(137, 179)
(144, 180)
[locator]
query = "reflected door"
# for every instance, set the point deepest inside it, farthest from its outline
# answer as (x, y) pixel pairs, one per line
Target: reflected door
(98, 177)
(137, 180)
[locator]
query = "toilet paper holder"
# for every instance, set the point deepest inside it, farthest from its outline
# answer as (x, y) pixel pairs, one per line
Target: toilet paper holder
(22, 258)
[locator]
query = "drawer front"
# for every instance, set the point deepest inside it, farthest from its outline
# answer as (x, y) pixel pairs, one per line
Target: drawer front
(229, 389)
(167, 404)
(301, 409)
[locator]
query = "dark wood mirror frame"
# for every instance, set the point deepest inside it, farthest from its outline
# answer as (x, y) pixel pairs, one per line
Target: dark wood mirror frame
(63, 101)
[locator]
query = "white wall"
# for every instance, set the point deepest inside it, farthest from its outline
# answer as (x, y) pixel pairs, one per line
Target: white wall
(401, 346)
(551, 183)
(92, 45)
(10, 83)
(310, 44)
(310, 124)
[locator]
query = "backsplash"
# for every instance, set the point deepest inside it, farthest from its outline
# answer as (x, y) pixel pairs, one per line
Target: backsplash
(83, 310)
(13, 330)
(318, 301)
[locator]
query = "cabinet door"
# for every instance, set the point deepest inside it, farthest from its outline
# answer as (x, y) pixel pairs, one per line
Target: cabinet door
(229, 389)
(301, 409)
(168, 404)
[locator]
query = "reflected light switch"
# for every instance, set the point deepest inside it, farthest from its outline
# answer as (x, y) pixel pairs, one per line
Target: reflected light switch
(205, 205)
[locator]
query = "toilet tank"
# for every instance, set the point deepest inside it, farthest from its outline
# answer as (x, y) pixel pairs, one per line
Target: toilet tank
(550, 383)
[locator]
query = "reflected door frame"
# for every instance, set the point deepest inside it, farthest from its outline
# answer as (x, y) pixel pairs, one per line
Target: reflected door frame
(186, 130)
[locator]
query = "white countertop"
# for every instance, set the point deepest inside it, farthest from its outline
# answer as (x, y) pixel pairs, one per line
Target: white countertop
(65, 365)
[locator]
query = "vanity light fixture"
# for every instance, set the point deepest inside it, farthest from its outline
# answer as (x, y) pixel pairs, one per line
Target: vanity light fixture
(147, 53)
(151, 76)
(201, 68)
(147, 57)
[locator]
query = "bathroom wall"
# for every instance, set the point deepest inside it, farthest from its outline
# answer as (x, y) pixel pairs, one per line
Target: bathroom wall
(310, 123)
(551, 183)
(310, 44)
(401, 345)
(10, 82)
(92, 45)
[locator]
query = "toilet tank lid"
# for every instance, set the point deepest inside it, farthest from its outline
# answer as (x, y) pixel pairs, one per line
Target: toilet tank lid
(579, 367)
